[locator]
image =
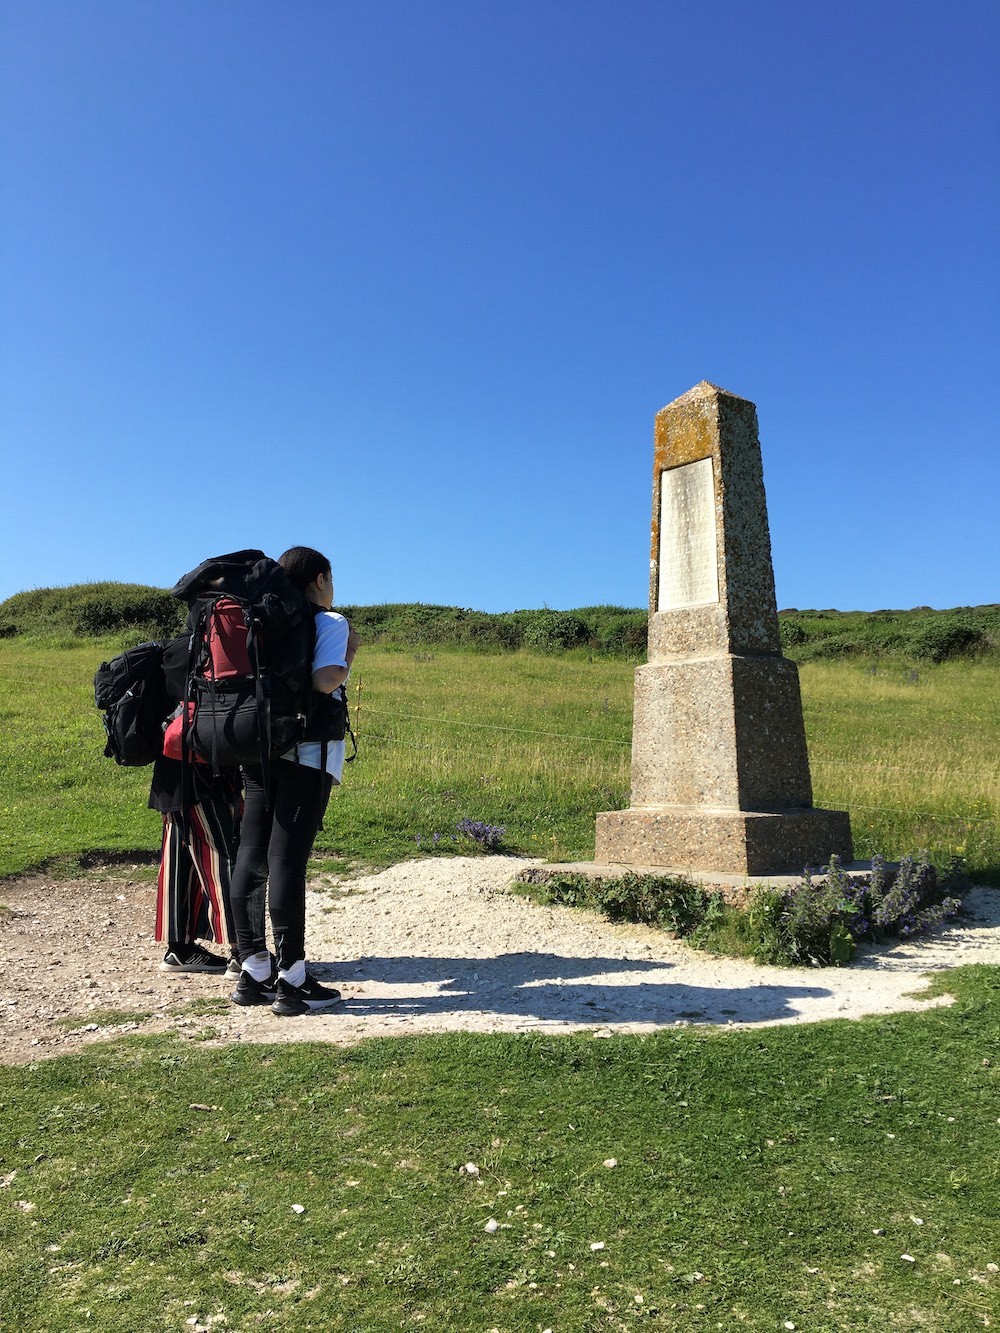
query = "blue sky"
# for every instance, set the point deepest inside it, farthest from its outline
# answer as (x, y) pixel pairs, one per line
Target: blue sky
(408, 280)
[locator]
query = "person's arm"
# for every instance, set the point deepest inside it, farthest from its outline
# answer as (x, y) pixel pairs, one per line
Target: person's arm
(328, 678)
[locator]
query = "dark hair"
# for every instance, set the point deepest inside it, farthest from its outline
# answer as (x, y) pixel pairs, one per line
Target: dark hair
(303, 565)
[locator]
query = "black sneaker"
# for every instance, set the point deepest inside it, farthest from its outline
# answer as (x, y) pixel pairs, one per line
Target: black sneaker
(308, 998)
(233, 969)
(192, 959)
(249, 991)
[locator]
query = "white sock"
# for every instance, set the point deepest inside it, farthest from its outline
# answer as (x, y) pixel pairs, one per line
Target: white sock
(294, 975)
(258, 965)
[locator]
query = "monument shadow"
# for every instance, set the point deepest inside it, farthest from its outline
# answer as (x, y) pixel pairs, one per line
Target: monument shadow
(553, 988)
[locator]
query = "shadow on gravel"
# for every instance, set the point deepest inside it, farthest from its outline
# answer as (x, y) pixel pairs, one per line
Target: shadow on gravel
(551, 988)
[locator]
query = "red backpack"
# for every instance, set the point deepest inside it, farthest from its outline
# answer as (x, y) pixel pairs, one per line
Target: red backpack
(221, 729)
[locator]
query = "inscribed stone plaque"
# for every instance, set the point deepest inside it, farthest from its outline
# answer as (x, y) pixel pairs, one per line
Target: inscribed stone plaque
(689, 572)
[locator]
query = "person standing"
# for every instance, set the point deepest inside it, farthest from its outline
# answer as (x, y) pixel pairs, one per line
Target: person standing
(201, 823)
(281, 819)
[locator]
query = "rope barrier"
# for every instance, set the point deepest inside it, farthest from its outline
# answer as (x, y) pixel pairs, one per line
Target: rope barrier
(575, 736)
(602, 740)
(923, 814)
(854, 805)
(422, 745)
(867, 764)
(492, 726)
(419, 745)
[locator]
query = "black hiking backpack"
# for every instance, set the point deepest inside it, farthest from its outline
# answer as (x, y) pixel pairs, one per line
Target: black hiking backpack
(250, 697)
(131, 692)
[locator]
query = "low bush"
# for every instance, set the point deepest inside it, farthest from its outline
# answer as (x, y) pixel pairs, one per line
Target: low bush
(942, 640)
(920, 635)
(822, 920)
(468, 835)
(792, 633)
(611, 631)
(487, 836)
(676, 904)
(818, 922)
(551, 631)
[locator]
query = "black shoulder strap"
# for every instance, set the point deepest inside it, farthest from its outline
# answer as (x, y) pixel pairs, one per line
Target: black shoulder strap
(317, 610)
(324, 745)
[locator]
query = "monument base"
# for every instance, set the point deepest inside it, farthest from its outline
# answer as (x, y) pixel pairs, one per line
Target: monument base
(746, 842)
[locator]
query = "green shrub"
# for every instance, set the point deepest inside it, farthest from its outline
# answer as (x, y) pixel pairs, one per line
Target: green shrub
(941, 640)
(670, 903)
(624, 635)
(552, 630)
(678, 905)
(139, 612)
(792, 633)
(821, 921)
(857, 643)
(492, 632)
(818, 922)
(91, 610)
(611, 630)
(920, 635)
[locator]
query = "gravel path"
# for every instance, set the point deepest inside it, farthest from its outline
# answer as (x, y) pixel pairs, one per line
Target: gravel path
(430, 945)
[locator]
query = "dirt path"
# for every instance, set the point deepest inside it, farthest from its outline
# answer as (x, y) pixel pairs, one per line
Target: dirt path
(426, 946)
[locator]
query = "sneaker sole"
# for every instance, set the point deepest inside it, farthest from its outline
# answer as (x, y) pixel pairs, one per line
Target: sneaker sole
(192, 967)
(296, 1008)
(251, 1001)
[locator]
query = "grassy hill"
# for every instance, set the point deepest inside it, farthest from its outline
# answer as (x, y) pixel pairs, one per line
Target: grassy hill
(135, 612)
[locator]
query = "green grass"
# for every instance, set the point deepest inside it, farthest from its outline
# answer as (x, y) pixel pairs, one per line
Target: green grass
(761, 1176)
(913, 755)
(60, 795)
(531, 743)
(754, 1168)
(102, 1018)
(536, 744)
(443, 737)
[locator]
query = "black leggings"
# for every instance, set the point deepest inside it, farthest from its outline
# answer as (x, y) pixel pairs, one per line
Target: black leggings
(275, 843)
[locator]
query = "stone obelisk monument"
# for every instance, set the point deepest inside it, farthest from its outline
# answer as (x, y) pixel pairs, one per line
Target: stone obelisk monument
(720, 773)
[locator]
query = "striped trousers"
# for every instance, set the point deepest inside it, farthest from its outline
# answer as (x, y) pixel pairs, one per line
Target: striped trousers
(192, 892)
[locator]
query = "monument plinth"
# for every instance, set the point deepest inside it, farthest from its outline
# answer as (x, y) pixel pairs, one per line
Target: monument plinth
(720, 772)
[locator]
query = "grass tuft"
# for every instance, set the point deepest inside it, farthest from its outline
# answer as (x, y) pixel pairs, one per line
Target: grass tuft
(103, 1018)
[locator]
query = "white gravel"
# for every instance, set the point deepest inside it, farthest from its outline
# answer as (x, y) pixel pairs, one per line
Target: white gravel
(433, 945)
(437, 945)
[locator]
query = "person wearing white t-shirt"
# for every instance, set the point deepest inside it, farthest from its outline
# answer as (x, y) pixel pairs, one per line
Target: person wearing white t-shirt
(277, 835)
(332, 637)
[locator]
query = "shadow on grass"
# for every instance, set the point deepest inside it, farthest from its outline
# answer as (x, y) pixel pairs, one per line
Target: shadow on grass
(551, 988)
